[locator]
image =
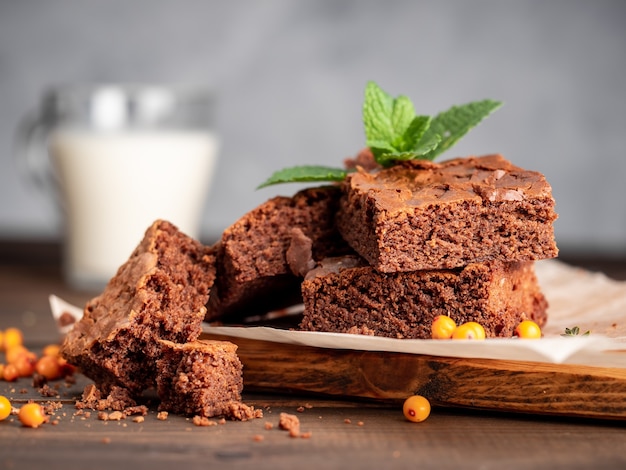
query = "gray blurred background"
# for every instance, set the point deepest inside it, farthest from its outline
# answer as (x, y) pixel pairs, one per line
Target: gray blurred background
(290, 77)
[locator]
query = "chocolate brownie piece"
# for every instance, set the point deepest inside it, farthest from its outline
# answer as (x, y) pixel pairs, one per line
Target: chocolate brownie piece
(160, 292)
(260, 257)
(202, 378)
(420, 215)
(345, 295)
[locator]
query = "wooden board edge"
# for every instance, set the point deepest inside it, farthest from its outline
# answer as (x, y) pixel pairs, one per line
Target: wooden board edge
(496, 385)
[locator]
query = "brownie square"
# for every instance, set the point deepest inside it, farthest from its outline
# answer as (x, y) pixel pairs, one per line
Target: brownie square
(256, 256)
(345, 295)
(160, 292)
(202, 378)
(420, 215)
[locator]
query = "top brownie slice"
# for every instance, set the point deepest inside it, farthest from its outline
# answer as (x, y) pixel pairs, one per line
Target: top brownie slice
(262, 257)
(421, 215)
(159, 293)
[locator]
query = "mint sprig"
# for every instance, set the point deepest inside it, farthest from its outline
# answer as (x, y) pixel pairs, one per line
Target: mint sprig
(394, 132)
(575, 331)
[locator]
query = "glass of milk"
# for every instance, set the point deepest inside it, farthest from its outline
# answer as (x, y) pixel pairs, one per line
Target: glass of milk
(120, 157)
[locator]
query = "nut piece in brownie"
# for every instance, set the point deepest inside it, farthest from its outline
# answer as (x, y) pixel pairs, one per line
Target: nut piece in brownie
(345, 295)
(262, 256)
(201, 378)
(160, 292)
(419, 215)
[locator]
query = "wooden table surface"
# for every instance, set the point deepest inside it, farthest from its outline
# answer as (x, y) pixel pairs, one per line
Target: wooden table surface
(343, 433)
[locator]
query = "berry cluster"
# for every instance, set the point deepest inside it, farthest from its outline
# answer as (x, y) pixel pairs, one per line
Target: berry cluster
(20, 361)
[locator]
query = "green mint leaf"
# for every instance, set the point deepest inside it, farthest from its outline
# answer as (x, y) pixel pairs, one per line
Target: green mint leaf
(390, 120)
(377, 110)
(426, 145)
(387, 159)
(380, 149)
(401, 117)
(454, 123)
(303, 174)
(415, 131)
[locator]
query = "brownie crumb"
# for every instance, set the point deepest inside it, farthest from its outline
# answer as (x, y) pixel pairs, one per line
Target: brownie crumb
(50, 407)
(90, 397)
(141, 410)
(118, 399)
(243, 412)
(39, 380)
(116, 416)
(46, 391)
(290, 423)
(202, 421)
(113, 416)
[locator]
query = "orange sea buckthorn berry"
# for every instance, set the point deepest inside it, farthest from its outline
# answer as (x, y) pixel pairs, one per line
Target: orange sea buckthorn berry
(32, 415)
(416, 408)
(469, 330)
(1, 340)
(25, 364)
(442, 328)
(5, 408)
(12, 337)
(12, 353)
(10, 373)
(49, 367)
(51, 350)
(528, 329)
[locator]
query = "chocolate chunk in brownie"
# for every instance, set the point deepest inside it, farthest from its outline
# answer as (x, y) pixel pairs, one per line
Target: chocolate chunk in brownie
(160, 292)
(345, 295)
(419, 215)
(202, 378)
(254, 275)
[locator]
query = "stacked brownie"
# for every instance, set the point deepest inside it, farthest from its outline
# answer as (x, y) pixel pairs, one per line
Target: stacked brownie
(458, 238)
(383, 253)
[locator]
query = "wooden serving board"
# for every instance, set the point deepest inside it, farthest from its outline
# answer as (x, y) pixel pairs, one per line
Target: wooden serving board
(497, 385)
